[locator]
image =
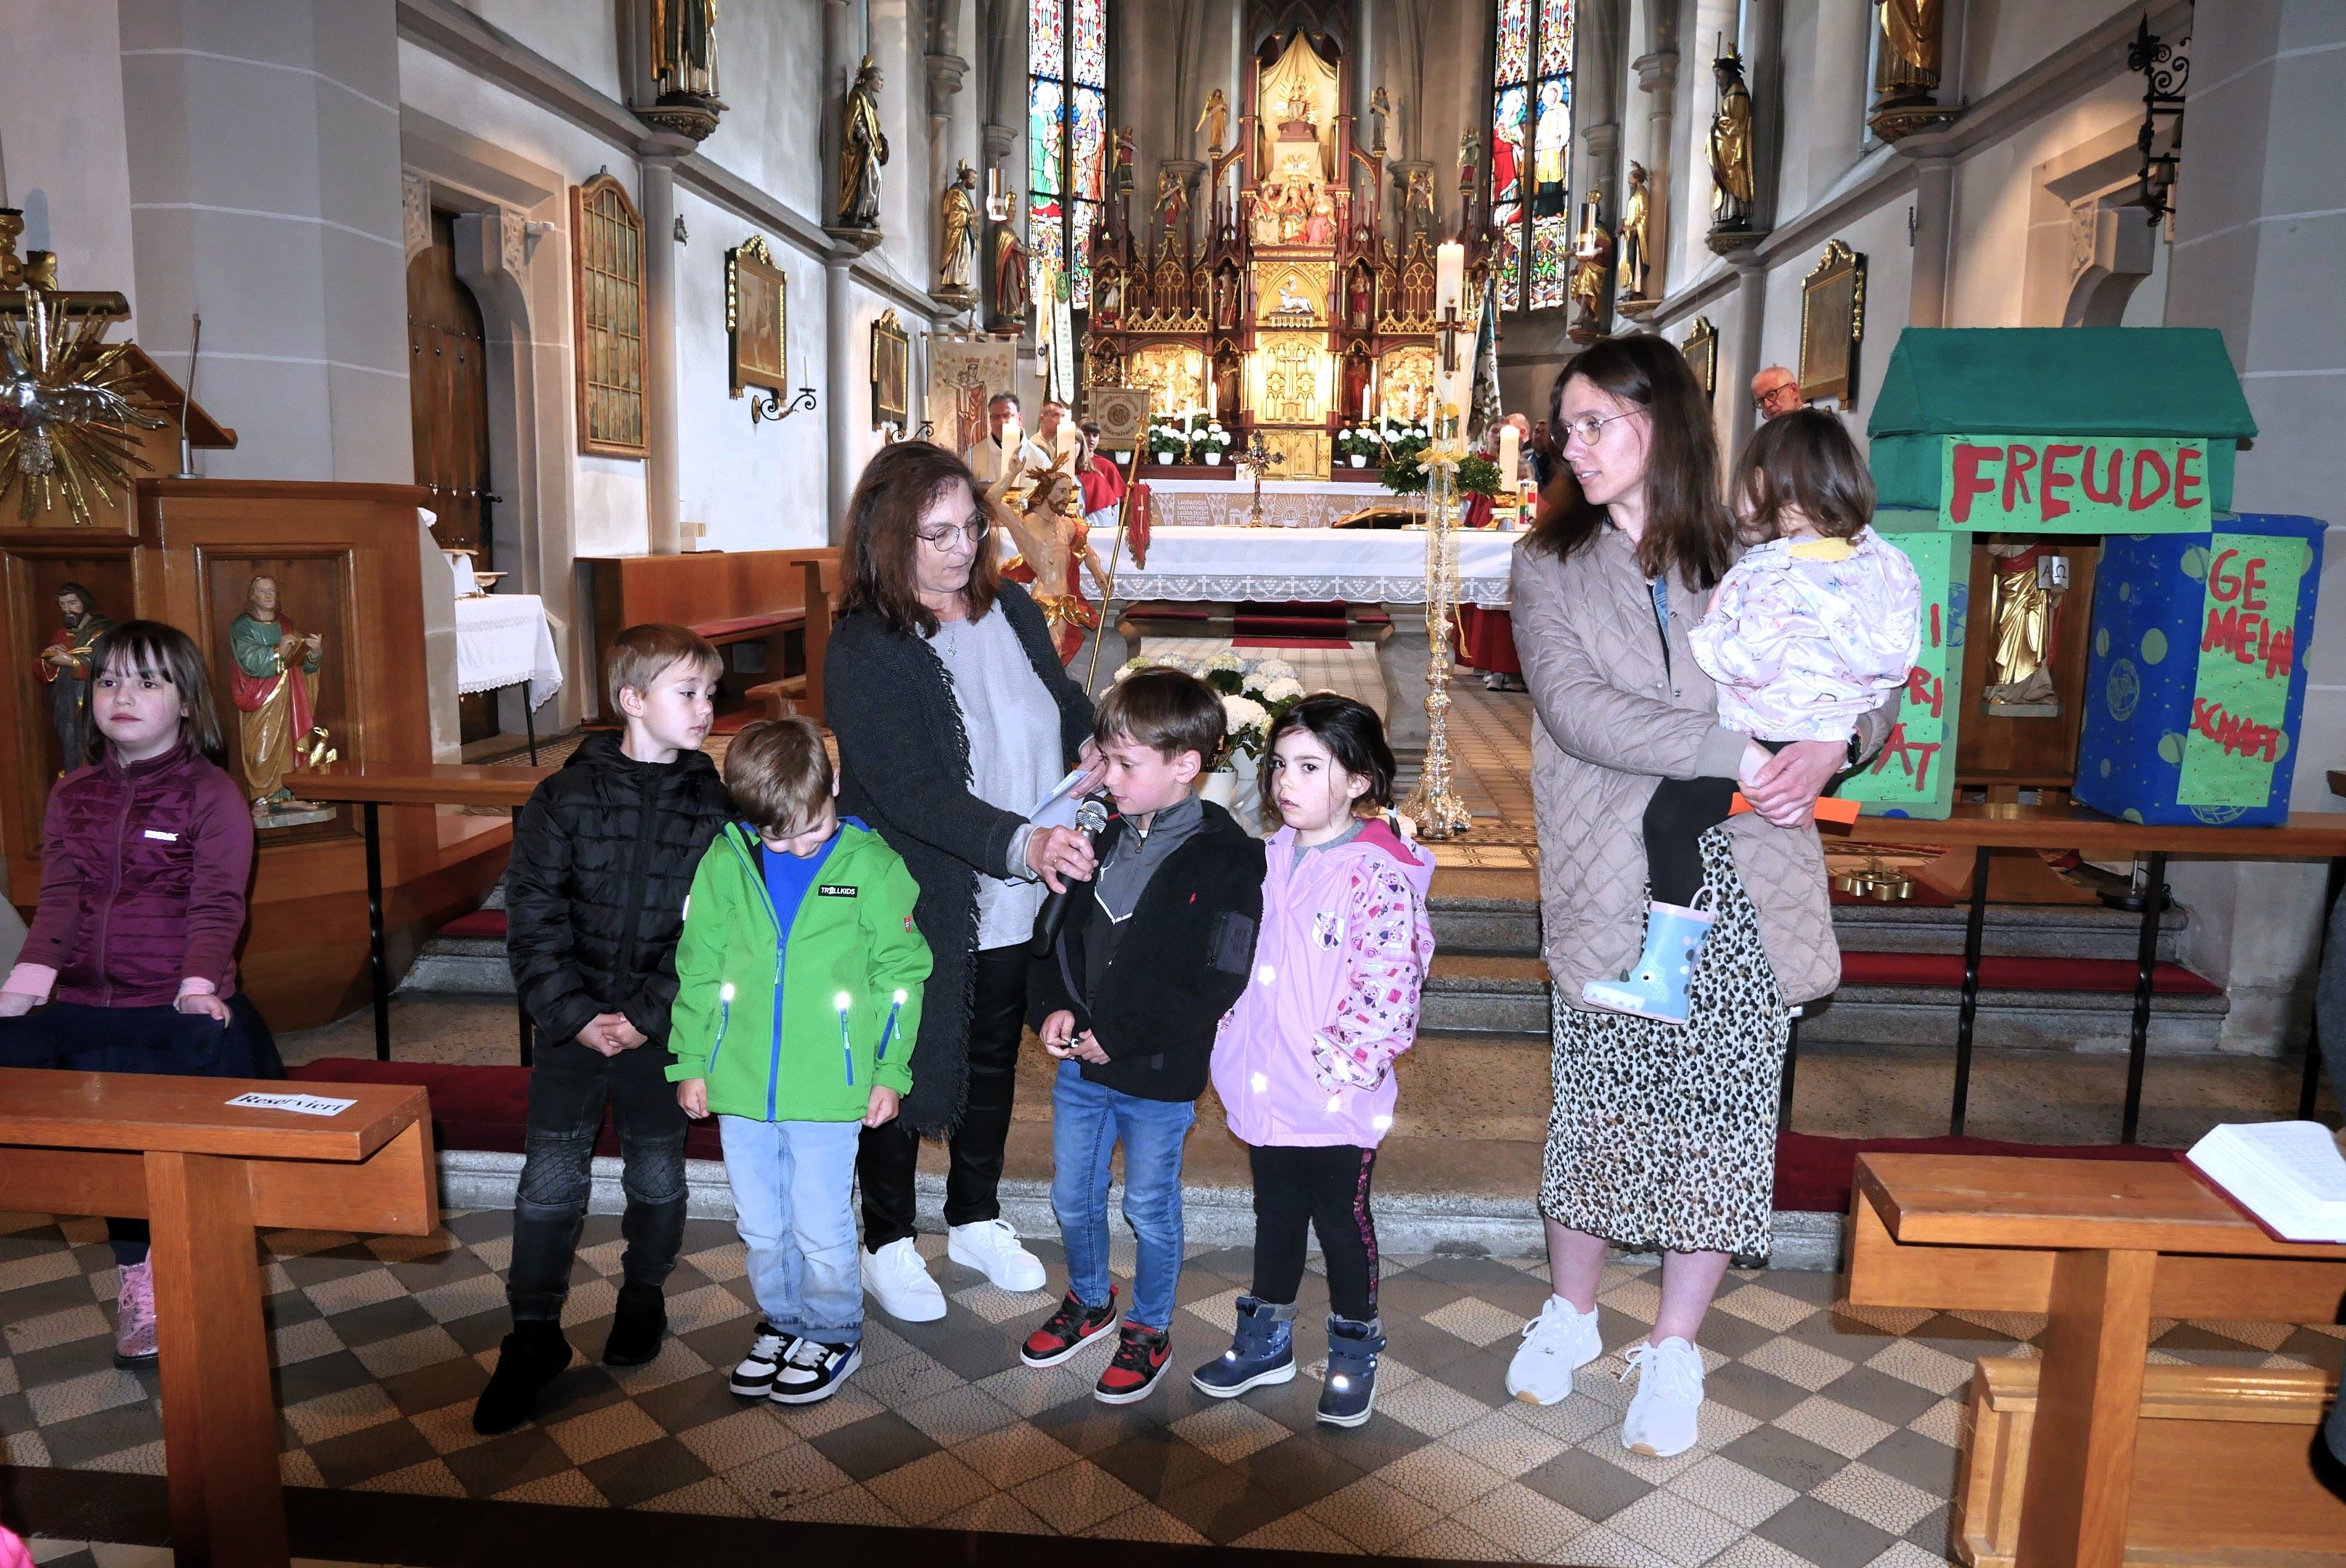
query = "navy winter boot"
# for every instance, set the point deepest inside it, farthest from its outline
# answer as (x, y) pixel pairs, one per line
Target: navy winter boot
(1263, 1352)
(1352, 1387)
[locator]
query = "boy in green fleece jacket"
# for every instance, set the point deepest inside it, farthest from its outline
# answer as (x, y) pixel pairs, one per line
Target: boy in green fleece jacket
(797, 999)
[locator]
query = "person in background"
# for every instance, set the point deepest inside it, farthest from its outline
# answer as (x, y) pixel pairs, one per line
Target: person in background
(1541, 453)
(145, 857)
(954, 719)
(1055, 433)
(992, 457)
(798, 951)
(1304, 1063)
(1130, 999)
(1776, 391)
(602, 859)
(1103, 481)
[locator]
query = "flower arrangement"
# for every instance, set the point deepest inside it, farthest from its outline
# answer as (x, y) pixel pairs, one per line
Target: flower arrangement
(1212, 442)
(1168, 442)
(1357, 443)
(1403, 474)
(1478, 476)
(1254, 693)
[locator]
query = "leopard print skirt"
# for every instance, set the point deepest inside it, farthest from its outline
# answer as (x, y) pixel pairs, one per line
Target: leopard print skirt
(1663, 1136)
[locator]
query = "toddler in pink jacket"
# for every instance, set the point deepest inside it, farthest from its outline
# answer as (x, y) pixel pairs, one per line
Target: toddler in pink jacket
(1303, 1064)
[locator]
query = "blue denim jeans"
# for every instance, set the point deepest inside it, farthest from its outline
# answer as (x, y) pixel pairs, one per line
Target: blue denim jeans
(793, 1187)
(1087, 1120)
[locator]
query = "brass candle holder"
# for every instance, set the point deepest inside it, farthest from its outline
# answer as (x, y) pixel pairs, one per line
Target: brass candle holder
(1433, 805)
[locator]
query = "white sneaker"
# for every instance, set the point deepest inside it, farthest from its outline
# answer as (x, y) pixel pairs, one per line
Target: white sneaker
(1557, 1344)
(1661, 1418)
(898, 1280)
(991, 1246)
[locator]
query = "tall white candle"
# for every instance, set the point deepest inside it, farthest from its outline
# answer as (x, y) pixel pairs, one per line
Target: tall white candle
(1368, 404)
(1213, 397)
(1449, 277)
(1509, 459)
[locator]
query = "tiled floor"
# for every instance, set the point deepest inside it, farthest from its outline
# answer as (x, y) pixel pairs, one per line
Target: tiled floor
(1828, 1439)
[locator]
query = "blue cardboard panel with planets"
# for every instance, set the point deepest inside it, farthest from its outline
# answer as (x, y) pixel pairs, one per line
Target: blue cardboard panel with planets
(2196, 679)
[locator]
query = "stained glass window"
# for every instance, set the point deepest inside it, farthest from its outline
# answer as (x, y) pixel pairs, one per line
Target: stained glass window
(1067, 137)
(1531, 147)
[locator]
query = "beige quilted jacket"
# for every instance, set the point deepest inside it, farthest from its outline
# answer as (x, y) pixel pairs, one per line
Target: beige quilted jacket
(1613, 720)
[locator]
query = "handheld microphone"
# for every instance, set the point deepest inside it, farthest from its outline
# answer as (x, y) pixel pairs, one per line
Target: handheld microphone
(1091, 817)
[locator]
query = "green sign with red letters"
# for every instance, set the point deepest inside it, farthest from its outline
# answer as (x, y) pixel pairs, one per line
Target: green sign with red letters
(2246, 654)
(2074, 484)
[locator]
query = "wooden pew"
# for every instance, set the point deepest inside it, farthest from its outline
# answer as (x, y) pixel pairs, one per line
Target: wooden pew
(2099, 1247)
(206, 1174)
(728, 597)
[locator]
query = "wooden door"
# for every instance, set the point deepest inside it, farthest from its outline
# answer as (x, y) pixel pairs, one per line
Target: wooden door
(448, 400)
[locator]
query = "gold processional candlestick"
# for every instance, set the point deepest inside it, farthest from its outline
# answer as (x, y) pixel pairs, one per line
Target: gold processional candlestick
(1254, 460)
(1434, 806)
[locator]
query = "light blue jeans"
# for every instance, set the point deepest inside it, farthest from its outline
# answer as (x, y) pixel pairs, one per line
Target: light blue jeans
(1087, 1120)
(792, 1193)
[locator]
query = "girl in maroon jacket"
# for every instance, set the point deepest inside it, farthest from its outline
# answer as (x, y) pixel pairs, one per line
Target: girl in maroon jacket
(130, 964)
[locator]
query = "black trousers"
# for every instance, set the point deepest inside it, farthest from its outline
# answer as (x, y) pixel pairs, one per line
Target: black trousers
(569, 1085)
(1324, 1189)
(888, 1155)
(1681, 812)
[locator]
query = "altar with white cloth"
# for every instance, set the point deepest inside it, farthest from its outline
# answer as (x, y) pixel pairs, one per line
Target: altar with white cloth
(1286, 503)
(1386, 567)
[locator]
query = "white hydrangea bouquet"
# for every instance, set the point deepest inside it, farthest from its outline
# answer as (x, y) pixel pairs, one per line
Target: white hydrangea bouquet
(1255, 692)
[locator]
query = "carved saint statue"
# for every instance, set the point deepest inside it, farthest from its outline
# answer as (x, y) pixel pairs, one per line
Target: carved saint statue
(1215, 120)
(1298, 107)
(2026, 611)
(863, 150)
(957, 258)
(65, 667)
(1592, 258)
(1380, 111)
(1320, 229)
(1172, 209)
(1636, 219)
(1119, 179)
(1470, 172)
(275, 687)
(1910, 50)
(1730, 147)
(1417, 205)
(1010, 297)
(684, 48)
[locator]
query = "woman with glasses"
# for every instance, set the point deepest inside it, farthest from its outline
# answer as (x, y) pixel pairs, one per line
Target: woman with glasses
(1662, 1136)
(953, 718)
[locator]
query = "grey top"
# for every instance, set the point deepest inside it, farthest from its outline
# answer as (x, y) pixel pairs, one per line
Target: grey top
(1140, 850)
(1346, 837)
(1013, 756)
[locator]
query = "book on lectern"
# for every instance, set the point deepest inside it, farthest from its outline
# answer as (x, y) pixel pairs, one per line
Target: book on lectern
(2288, 1175)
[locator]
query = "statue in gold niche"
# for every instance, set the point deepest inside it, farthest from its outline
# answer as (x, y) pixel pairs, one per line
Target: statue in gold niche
(1732, 186)
(863, 150)
(957, 219)
(1910, 49)
(1592, 258)
(684, 48)
(2025, 613)
(1636, 219)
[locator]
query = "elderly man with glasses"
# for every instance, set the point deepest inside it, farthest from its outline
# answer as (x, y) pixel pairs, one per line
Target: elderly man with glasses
(1776, 391)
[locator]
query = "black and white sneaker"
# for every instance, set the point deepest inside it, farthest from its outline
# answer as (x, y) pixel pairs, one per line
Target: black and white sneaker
(753, 1378)
(812, 1371)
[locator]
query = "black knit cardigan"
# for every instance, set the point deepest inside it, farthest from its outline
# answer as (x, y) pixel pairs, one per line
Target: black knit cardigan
(904, 768)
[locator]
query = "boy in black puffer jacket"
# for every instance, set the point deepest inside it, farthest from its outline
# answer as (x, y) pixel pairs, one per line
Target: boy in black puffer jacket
(602, 859)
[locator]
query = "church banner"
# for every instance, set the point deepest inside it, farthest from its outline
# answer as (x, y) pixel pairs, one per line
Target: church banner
(962, 373)
(2248, 651)
(2074, 484)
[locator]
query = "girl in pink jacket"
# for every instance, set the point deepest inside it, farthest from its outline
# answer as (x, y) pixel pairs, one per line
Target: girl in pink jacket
(1304, 1062)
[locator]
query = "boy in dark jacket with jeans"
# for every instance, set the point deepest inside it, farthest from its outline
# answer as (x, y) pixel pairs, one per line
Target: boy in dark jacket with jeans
(1155, 950)
(602, 859)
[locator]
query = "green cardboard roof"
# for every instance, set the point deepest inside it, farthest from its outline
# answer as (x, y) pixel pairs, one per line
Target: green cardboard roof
(2061, 380)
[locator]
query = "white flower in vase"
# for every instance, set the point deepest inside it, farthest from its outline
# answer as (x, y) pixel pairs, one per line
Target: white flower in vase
(1283, 688)
(1276, 669)
(1226, 660)
(1245, 719)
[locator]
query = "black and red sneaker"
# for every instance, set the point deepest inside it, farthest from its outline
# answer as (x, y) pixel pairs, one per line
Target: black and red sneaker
(1137, 1367)
(1068, 1331)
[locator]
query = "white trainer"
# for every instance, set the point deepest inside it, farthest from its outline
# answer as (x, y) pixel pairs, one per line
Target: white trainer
(898, 1280)
(1557, 1344)
(1661, 1418)
(991, 1246)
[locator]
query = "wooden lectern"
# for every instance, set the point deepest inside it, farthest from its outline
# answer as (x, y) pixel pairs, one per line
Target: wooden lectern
(206, 1174)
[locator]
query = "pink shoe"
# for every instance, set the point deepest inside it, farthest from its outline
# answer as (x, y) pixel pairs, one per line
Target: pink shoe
(134, 1316)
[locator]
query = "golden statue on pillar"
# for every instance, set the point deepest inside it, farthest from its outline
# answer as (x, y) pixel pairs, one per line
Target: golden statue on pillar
(957, 223)
(1637, 220)
(1214, 120)
(1907, 78)
(1592, 259)
(863, 150)
(1733, 187)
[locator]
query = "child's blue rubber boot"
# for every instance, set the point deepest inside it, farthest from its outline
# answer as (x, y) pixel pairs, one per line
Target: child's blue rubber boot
(1351, 1390)
(1657, 988)
(1263, 1352)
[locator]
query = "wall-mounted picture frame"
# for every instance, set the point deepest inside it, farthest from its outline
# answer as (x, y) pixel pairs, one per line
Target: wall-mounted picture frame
(891, 372)
(757, 296)
(1833, 325)
(1700, 347)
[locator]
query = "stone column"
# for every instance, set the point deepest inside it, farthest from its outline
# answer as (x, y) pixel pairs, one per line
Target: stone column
(2261, 222)
(1935, 211)
(1762, 40)
(837, 361)
(658, 155)
(1750, 324)
(1658, 78)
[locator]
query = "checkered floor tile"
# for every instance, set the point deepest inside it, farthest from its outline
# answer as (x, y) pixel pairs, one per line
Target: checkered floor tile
(1828, 1439)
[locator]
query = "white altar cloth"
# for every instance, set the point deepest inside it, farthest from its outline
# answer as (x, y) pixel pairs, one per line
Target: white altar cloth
(1286, 503)
(1274, 566)
(502, 640)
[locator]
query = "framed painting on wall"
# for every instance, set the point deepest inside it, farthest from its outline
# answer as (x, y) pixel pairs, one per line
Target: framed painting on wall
(1832, 324)
(891, 372)
(1700, 347)
(756, 324)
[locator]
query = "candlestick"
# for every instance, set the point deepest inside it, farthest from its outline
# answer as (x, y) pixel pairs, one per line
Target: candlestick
(1510, 454)
(1449, 277)
(1213, 398)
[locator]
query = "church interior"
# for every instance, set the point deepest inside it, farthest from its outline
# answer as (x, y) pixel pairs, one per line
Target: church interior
(397, 356)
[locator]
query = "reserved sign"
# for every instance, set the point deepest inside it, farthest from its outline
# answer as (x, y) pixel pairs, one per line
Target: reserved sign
(2074, 484)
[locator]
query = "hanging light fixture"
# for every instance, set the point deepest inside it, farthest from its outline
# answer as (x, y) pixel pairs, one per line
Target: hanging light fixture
(2165, 69)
